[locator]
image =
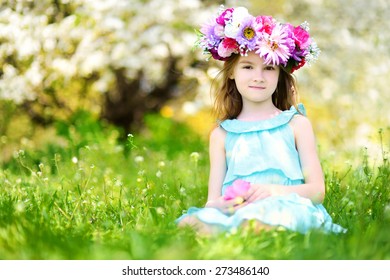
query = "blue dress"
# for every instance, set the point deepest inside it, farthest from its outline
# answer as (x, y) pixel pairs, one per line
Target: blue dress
(264, 152)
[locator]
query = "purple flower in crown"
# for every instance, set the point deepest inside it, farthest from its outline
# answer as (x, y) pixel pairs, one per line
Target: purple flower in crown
(212, 34)
(276, 48)
(247, 35)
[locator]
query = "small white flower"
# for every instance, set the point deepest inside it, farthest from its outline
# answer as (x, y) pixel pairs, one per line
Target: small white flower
(20, 207)
(75, 160)
(195, 156)
(139, 159)
(118, 183)
(160, 211)
(141, 173)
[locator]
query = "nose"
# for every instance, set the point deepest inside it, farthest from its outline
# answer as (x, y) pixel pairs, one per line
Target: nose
(259, 76)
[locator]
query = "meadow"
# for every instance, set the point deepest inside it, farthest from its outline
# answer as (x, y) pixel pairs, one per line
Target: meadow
(92, 194)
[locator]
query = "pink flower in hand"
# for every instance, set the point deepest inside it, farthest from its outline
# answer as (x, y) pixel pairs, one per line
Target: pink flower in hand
(238, 189)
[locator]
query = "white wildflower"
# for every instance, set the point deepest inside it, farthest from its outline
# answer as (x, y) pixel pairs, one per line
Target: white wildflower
(195, 156)
(139, 159)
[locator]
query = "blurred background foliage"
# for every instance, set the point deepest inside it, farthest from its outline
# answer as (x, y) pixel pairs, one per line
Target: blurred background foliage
(72, 68)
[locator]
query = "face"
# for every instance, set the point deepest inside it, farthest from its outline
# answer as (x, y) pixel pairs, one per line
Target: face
(255, 81)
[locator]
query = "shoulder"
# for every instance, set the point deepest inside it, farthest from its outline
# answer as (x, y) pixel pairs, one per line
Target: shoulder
(217, 134)
(300, 122)
(303, 129)
(217, 138)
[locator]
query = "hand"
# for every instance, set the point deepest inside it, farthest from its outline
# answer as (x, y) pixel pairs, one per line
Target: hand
(227, 206)
(258, 192)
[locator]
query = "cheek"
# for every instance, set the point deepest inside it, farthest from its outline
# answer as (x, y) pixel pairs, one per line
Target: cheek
(273, 77)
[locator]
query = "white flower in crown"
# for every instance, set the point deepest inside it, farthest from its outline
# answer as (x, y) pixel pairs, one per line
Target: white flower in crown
(232, 28)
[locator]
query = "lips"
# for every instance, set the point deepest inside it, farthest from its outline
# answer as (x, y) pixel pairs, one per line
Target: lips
(257, 87)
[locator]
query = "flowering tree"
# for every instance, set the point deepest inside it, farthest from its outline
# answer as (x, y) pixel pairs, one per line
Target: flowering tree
(120, 58)
(115, 58)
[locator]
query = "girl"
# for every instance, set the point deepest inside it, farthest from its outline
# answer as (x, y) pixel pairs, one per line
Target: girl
(264, 168)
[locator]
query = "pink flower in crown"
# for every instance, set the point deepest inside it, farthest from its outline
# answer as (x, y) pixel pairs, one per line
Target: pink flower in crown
(276, 48)
(238, 189)
(265, 24)
(225, 16)
(302, 38)
(227, 47)
(302, 42)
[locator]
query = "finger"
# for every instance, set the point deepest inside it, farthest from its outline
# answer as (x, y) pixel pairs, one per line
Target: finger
(227, 206)
(239, 206)
(252, 194)
(259, 196)
(255, 196)
(230, 203)
(249, 193)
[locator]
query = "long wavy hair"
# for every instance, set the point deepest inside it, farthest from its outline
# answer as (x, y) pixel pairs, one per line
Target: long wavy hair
(228, 100)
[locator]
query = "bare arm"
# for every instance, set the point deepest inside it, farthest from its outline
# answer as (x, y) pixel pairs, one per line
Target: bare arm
(218, 172)
(217, 163)
(314, 186)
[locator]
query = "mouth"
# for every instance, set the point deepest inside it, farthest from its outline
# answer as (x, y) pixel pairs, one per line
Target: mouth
(257, 87)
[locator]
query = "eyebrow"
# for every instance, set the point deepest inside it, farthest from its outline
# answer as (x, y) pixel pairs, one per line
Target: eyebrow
(246, 62)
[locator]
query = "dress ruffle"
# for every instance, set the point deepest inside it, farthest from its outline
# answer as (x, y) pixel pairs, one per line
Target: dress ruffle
(237, 126)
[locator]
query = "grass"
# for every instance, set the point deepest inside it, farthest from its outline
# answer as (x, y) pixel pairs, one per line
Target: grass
(94, 197)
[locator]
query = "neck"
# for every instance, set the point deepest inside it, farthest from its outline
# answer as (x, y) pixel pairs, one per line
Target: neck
(258, 111)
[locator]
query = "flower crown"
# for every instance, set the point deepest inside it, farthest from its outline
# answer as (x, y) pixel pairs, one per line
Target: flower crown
(235, 31)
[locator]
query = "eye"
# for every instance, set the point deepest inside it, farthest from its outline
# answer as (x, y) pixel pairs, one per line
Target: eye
(270, 67)
(247, 67)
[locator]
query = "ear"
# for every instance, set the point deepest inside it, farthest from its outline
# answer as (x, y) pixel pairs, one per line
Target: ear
(231, 77)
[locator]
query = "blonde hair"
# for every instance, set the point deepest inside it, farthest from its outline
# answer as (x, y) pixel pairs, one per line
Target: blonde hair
(228, 101)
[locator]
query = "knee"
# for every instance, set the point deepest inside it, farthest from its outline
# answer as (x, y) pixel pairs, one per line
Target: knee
(188, 221)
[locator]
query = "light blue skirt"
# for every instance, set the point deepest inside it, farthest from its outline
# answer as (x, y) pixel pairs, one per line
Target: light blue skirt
(292, 212)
